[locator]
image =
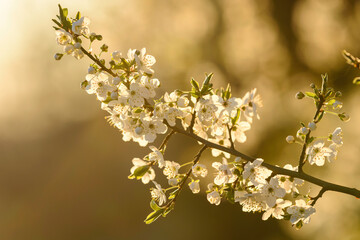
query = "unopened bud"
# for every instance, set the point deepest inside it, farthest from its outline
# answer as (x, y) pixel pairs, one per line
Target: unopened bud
(58, 56)
(338, 94)
(290, 139)
(312, 126)
(84, 84)
(116, 80)
(304, 130)
(77, 45)
(344, 117)
(91, 70)
(104, 48)
(114, 95)
(138, 130)
(299, 95)
(312, 85)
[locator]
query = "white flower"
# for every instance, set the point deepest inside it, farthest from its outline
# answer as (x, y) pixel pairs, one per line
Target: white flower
(312, 126)
(149, 174)
(253, 202)
(173, 181)
(171, 169)
(151, 127)
(144, 61)
(336, 136)
(135, 95)
(290, 139)
(99, 84)
(224, 174)
(272, 191)
(81, 26)
(116, 56)
(251, 103)
(62, 37)
(214, 197)
(256, 173)
(158, 194)
(277, 211)
(194, 186)
(288, 183)
(317, 153)
(300, 211)
(205, 110)
(157, 156)
(199, 170)
(238, 131)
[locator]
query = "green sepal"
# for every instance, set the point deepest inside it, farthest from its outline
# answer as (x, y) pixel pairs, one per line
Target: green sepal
(195, 85)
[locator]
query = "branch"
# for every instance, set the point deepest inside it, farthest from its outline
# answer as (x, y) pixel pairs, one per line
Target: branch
(314, 199)
(166, 139)
(196, 160)
(302, 160)
(98, 62)
(277, 170)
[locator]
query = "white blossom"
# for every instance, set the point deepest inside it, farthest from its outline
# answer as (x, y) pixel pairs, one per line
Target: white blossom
(158, 194)
(300, 211)
(277, 211)
(62, 37)
(224, 174)
(81, 26)
(150, 173)
(199, 170)
(317, 153)
(272, 191)
(255, 173)
(171, 169)
(214, 197)
(194, 186)
(336, 136)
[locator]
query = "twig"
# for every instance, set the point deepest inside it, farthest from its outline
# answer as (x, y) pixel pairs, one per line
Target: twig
(277, 170)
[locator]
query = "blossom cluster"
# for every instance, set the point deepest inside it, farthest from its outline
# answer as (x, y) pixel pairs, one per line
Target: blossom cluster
(127, 91)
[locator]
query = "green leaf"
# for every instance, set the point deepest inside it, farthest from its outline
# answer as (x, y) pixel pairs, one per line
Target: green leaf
(311, 94)
(153, 216)
(154, 206)
(78, 16)
(140, 171)
(56, 22)
(356, 81)
(195, 84)
(65, 12)
(207, 79)
(236, 118)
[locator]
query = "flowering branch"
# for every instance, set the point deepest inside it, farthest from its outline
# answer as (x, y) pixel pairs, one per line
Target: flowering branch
(327, 186)
(212, 117)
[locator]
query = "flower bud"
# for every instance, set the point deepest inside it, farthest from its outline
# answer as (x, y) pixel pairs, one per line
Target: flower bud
(116, 55)
(114, 95)
(58, 56)
(173, 181)
(312, 85)
(338, 94)
(104, 48)
(344, 117)
(77, 45)
(299, 95)
(304, 130)
(91, 70)
(116, 80)
(290, 139)
(138, 130)
(312, 126)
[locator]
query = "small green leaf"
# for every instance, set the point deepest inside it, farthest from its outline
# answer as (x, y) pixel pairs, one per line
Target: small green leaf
(78, 16)
(195, 84)
(56, 22)
(173, 193)
(65, 12)
(236, 118)
(356, 81)
(153, 216)
(140, 171)
(311, 94)
(154, 206)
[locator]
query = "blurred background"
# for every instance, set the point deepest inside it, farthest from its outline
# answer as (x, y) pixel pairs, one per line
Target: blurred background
(63, 169)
